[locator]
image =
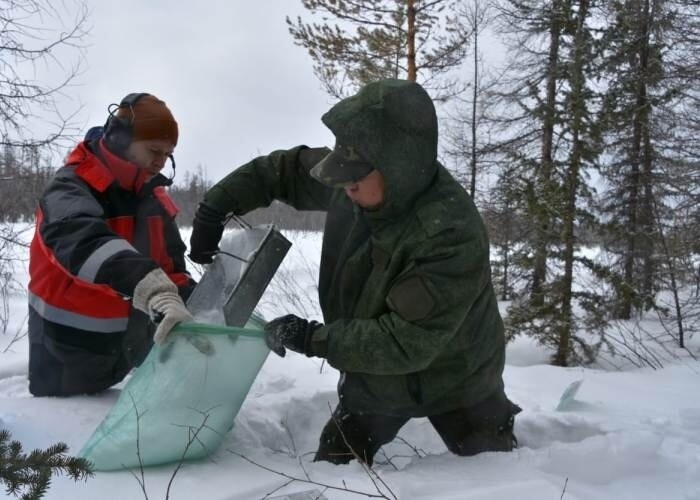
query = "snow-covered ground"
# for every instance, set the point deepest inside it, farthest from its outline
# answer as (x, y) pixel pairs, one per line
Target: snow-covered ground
(632, 434)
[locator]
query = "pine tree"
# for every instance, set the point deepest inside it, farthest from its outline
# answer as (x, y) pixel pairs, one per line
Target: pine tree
(503, 215)
(359, 41)
(553, 145)
(530, 111)
(674, 136)
(583, 151)
(641, 96)
(528, 108)
(29, 475)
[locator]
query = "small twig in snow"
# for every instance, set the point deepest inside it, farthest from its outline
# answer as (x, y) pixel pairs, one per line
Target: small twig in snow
(285, 484)
(302, 480)
(193, 437)
(142, 479)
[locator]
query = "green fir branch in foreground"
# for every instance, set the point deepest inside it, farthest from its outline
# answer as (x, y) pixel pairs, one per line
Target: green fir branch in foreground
(29, 475)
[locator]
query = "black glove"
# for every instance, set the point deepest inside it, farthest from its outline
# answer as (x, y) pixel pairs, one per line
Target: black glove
(207, 228)
(291, 332)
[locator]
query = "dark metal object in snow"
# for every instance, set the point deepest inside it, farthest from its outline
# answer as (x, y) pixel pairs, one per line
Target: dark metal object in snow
(240, 273)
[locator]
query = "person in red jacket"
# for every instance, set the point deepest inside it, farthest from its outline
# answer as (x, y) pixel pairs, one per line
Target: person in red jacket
(107, 259)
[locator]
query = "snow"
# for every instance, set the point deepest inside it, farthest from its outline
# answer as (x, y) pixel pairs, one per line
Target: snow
(632, 434)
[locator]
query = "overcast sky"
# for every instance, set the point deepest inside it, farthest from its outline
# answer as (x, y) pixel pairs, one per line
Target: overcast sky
(228, 70)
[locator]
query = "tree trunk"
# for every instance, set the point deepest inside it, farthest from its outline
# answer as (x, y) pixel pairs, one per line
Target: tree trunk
(639, 210)
(577, 107)
(472, 185)
(626, 292)
(542, 190)
(411, 40)
(646, 223)
(505, 288)
(674, 284)
(646, 211)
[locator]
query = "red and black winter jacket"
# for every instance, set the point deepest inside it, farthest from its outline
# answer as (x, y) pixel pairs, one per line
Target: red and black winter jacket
(100, 229)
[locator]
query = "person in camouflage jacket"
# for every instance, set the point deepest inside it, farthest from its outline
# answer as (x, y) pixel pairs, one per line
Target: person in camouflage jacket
(410, 316)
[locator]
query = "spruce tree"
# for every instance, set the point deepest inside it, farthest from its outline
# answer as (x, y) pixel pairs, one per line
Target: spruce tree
(29, 475)
(642, 101)
(569, 341)
(529, 110)
(553, 143)
(502, 212)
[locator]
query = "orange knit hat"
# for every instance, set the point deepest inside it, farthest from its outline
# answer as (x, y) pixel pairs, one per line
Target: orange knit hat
(149, 118)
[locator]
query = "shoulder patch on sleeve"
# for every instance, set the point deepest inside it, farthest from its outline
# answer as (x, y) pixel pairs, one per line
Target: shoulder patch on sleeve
(436, 218)
(410, 299)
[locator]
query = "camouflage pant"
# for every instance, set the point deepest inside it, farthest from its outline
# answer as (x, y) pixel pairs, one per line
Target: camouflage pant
(487, 426)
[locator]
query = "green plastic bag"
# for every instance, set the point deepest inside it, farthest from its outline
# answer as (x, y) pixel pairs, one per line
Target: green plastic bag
(182, 400)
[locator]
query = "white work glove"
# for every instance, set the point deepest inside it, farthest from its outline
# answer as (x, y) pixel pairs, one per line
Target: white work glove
(157, 296)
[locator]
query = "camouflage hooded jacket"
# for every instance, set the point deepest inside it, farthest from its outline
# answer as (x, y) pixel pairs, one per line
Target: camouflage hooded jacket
(411, 318)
